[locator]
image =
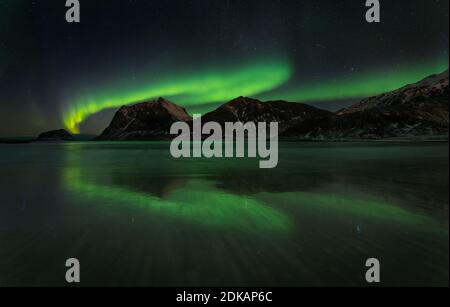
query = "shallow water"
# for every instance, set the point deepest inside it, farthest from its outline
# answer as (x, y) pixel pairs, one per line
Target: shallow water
(133, 215)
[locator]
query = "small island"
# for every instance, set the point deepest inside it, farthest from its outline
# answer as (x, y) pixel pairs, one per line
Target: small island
(55, 136)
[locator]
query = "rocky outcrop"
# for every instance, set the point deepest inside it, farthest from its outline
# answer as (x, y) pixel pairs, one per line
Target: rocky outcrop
(244, 109)
(55, 136)
(145, 121)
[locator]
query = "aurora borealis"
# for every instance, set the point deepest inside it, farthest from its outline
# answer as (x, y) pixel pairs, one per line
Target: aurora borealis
(194, 90)
(361, 85)
(259, 80)
(333, 188)
(200, 54)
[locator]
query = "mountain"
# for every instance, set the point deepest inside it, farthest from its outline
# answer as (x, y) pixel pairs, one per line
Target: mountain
(55, 135)
(144, 121)
(152, 120)
(419, 109)
(244, 109)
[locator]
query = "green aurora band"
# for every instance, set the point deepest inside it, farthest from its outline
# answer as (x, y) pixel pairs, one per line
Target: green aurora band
(203, 88)
(267, 80)
(360, 85)
(199, 202)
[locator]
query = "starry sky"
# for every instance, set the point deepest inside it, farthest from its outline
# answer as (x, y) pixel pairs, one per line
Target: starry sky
(202, 53)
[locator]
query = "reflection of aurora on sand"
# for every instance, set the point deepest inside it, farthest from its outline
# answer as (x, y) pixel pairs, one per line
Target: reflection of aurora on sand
(333, 205)
(199, 201)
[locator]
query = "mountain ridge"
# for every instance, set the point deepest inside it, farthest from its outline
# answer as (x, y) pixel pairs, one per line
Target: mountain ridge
(419, 109)
(245, 109)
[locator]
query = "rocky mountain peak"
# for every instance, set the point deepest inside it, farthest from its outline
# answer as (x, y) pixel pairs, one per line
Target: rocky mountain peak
(244, 109)
(419, 109)
(55, 135)
(145, 121)
(427, 89)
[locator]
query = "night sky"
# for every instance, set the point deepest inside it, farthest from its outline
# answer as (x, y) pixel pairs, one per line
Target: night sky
(202, 53)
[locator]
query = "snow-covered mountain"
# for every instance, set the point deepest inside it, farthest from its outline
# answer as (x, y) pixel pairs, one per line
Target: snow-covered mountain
(419, 109)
